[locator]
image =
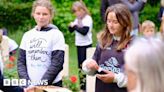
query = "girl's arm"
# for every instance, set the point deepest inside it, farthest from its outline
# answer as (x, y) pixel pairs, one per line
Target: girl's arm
(82, 30)
(21, 64)
(110, 77)
(56, 66)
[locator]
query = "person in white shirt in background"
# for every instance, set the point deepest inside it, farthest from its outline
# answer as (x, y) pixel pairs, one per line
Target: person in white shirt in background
(12, 44)
(82, 26)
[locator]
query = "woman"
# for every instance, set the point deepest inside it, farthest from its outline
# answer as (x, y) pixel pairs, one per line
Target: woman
(112, 43)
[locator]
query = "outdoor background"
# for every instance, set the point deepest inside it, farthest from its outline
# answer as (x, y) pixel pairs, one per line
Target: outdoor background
(15, 15)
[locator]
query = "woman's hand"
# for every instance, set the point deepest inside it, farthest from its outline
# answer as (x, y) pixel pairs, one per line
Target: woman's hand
(106, 78)
(92, 64)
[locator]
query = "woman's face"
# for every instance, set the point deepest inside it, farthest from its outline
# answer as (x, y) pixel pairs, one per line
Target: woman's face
(113, 25)
(42, 16)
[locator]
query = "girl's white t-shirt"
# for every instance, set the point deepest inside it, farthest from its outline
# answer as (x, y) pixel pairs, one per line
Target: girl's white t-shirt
(38, 46)
(83, 40)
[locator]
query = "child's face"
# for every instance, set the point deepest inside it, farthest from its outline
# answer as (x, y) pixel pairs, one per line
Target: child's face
(149, 32)
(78, 12)
(42, 16)
(113, 25)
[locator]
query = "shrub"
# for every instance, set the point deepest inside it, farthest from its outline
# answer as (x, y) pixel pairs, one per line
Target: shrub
(150, 13)
(14, 15)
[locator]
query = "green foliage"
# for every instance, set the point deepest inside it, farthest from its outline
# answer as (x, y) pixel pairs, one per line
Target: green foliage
(150, 13)
(94, 8)
(153, 2)
(14, 15)
(63, 17)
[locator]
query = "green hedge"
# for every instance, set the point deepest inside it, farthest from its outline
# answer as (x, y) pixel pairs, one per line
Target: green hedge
(15, 15)
(150, 13)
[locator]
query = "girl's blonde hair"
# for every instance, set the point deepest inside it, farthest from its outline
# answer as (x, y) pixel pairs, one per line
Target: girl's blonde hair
(80, 5)
(124, 18)
(44, 3)
(147, 23)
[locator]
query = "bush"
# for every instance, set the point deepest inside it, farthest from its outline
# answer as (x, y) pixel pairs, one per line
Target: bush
(14, 15)
(150, 13)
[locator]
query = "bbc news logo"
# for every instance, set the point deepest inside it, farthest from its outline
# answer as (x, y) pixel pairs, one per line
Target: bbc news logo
(23, 82)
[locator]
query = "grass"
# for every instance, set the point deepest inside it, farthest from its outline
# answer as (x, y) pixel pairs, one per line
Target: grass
(73, 63)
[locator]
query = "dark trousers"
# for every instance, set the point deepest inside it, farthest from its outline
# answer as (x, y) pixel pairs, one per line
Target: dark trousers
(81, 53)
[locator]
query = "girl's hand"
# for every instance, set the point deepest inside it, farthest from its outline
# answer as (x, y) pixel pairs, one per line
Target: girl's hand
(106, 78)
(92, 64)
(71, 24)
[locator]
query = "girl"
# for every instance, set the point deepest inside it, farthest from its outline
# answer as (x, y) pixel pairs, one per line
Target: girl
(112, 43)
(41, 54)
(148, 29)
(82, 27)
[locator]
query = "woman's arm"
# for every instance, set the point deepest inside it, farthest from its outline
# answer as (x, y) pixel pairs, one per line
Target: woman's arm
(110, 77)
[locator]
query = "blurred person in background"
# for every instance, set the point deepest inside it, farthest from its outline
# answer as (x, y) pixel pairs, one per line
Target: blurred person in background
(12, 45)
(144, 63)
(82, 26)
(104, 5)
(148, 29)
(161, 10)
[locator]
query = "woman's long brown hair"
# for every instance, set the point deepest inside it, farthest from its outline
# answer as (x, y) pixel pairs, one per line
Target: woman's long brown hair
(124, 18)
